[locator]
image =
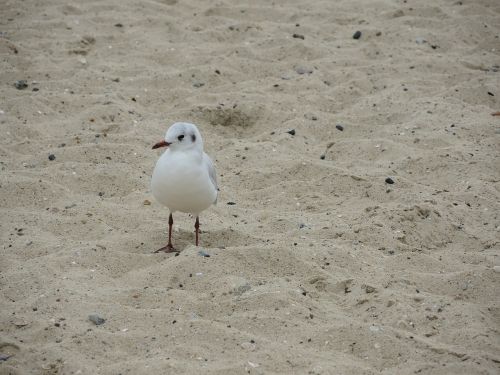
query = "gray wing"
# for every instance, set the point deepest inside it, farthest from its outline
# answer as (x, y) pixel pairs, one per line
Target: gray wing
(211, 173)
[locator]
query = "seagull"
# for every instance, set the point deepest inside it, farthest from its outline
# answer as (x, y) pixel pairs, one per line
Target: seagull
(184, 178)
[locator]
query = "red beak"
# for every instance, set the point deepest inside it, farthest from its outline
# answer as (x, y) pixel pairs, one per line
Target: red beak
(161, 144)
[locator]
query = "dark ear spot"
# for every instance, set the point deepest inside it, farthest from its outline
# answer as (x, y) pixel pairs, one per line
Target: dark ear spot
(193, 138)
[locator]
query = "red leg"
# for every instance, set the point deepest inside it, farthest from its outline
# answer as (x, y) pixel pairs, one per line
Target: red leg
(197, 228)
(169, 248)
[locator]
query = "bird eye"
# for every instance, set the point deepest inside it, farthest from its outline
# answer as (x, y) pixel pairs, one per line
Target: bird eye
(180, 137)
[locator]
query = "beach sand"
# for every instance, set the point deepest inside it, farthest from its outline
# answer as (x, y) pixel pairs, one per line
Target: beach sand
(318, 264)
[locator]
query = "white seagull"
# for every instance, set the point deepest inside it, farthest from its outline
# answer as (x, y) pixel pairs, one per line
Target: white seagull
(184, 178)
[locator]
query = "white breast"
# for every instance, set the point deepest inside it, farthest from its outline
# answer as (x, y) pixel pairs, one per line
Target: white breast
(181, 182)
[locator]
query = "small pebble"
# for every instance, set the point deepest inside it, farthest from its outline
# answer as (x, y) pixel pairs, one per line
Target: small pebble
(339, 127)
(198, 84)
(118, 25)
(490, 93)
(298, 36)
(369, 289)
(52, 157)
(389, 181)
(303, 70)
(357, 35)
(21, 84)
(231, 203)
(310, 116)
(20, 323)
(322, 157)
(96, 319)
(291, 132)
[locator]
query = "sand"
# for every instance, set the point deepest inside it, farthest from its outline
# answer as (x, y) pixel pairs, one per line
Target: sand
(318, 265)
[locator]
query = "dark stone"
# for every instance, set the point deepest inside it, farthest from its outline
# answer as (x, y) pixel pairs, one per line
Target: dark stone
(322, 157)
(389, 181)
(118, 25)
(231, 203)
(490, 93)
(298, 36)
(339, 127)
(203, 254)
(303, 70)
(357, 35)
(96, 319)
(52, 157)
(291, 132)
(21, 84)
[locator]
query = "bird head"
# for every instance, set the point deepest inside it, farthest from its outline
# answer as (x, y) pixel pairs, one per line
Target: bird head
(182, 136)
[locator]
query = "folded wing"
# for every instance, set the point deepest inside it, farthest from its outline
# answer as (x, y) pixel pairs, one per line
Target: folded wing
(211, 173)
